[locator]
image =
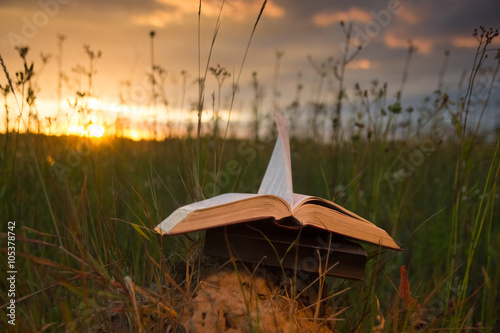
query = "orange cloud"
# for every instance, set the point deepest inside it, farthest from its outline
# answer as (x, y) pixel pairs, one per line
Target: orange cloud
(468, 42)
(158, 19)
(408, 17)
(353, 14)
(424, 45)
(242, 9)
(237, 10)
(360, 64)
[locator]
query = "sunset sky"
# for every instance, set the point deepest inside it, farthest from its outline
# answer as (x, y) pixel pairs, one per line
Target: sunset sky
(120, 30)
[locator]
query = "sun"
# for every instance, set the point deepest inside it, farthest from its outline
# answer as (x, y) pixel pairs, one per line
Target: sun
(96, 130)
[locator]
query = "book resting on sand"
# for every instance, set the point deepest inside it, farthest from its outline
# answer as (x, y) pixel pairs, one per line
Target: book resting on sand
(275, 201)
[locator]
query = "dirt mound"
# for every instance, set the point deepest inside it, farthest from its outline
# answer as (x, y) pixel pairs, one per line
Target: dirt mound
(230, 301)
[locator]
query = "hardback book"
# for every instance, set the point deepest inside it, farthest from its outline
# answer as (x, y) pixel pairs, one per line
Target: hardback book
(276, 202)
(290, 250)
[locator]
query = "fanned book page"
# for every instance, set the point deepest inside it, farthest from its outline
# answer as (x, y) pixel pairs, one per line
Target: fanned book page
(277, 181)
(278, 177)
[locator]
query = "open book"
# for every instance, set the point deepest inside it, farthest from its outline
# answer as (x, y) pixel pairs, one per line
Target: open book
(275, 199)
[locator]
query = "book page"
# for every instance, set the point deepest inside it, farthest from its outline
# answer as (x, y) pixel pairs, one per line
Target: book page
(278, 177)
(299, 199)
(326, 218)
(181, 213)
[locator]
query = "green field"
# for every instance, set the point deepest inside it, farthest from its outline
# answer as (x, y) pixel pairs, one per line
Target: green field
(84, 211)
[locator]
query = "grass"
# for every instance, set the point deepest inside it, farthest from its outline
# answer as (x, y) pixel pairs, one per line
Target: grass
(87, 257)
(105, 225)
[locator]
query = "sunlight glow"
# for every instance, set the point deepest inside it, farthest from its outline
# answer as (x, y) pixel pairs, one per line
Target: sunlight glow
(93, 103)
(134, 135)
(104, 118)
(96, 130)
(75, 130)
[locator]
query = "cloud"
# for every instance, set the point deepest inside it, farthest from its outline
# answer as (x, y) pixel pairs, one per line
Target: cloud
(175, 11)
(462, 41)
(353, 14)
(470, 42)
(243, 8)
(158, 19)
(409, 17)
(360, 64)
(424, 44)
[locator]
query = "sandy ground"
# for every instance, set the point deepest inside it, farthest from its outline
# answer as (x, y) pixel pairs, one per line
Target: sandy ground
(230, 301)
